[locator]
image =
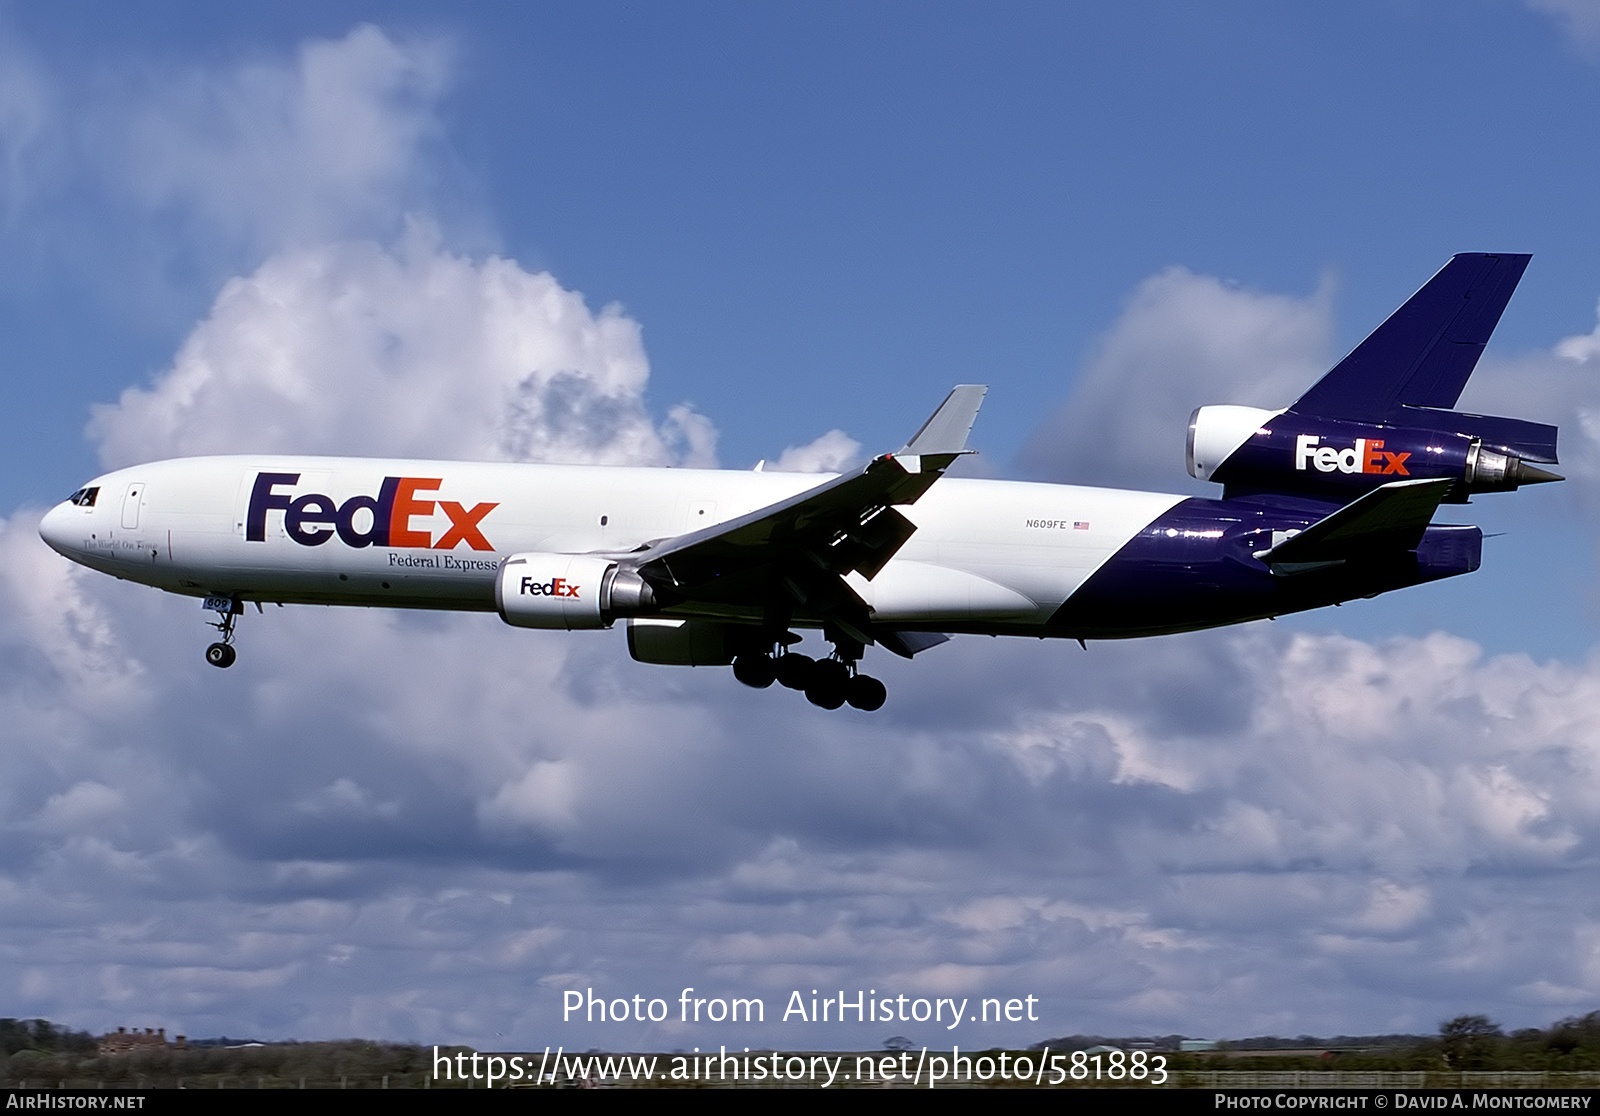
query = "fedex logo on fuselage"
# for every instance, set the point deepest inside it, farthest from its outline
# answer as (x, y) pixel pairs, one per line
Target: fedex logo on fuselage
(1366, 456)
(312, 519)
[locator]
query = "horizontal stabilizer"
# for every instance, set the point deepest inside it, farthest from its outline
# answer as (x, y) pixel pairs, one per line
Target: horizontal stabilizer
(1531, 441)
(1386, 520)
(1423, 355)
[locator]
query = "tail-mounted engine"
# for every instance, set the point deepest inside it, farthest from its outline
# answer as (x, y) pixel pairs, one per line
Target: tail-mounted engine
(568, 591)
(1251, 450)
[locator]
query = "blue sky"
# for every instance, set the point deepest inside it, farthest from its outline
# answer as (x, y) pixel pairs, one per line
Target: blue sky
(752, 230)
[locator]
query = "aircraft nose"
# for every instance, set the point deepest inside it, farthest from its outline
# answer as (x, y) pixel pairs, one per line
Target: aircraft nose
(56, 529)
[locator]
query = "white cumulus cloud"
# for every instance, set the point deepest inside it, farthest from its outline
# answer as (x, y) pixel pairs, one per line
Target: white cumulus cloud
(1183, 340)
(1579, 20)
(353, 348)
(829, 453)
(279, 152)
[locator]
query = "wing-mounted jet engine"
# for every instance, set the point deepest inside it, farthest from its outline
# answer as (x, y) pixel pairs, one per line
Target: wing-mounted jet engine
(1383, 414)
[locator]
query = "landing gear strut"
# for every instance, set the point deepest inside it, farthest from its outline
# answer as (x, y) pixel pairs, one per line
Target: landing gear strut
(228, 609)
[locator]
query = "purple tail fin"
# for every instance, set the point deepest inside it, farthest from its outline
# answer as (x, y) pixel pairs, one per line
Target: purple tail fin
(1413, 367)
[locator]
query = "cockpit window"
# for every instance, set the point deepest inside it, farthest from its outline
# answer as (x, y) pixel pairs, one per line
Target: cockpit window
(84, 497)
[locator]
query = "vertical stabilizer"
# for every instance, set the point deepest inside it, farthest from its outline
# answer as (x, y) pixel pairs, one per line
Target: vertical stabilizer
(1423, 355)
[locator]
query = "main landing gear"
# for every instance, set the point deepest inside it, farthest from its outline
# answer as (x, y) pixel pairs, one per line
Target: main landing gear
(829, 682)
(228, 610)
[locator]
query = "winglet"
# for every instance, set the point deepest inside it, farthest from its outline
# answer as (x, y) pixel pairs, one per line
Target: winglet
(946, 431)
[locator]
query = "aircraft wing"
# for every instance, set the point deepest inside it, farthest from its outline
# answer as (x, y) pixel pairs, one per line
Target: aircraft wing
(1386, 520)
(796, 552)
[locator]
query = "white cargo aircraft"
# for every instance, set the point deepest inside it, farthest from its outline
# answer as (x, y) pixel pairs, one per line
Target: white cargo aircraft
(1326, 500)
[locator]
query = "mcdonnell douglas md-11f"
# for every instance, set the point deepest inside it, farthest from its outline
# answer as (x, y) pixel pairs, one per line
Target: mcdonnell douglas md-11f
(1326, 500)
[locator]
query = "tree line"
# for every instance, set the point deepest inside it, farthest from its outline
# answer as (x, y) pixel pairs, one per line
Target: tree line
(1467, 1043)
(42, 1053)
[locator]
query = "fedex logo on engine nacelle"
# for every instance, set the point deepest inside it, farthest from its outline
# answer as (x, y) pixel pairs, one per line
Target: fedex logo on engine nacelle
(555, 587)
(1366, 456)
(312, 519)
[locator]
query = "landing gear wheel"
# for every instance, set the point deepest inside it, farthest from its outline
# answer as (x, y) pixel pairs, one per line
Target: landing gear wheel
(827, 685)
(865, 693)
(759, 671)
(794, 670)
(221, 655)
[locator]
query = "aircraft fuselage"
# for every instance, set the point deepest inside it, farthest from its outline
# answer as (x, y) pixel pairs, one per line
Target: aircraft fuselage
(1001, 557)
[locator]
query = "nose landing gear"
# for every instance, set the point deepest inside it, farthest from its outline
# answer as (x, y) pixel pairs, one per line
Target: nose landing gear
(228, 610)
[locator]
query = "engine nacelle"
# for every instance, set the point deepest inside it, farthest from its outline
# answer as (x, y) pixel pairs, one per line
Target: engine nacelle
(1215, 432)
(567, 591)
(684, 642)
(1249, 449)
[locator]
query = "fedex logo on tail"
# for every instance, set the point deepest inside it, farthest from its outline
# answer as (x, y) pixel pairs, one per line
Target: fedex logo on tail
(1366, 456)
(312, 519)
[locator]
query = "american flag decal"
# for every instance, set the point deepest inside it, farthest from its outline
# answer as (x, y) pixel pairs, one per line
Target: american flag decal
(1080, 524)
